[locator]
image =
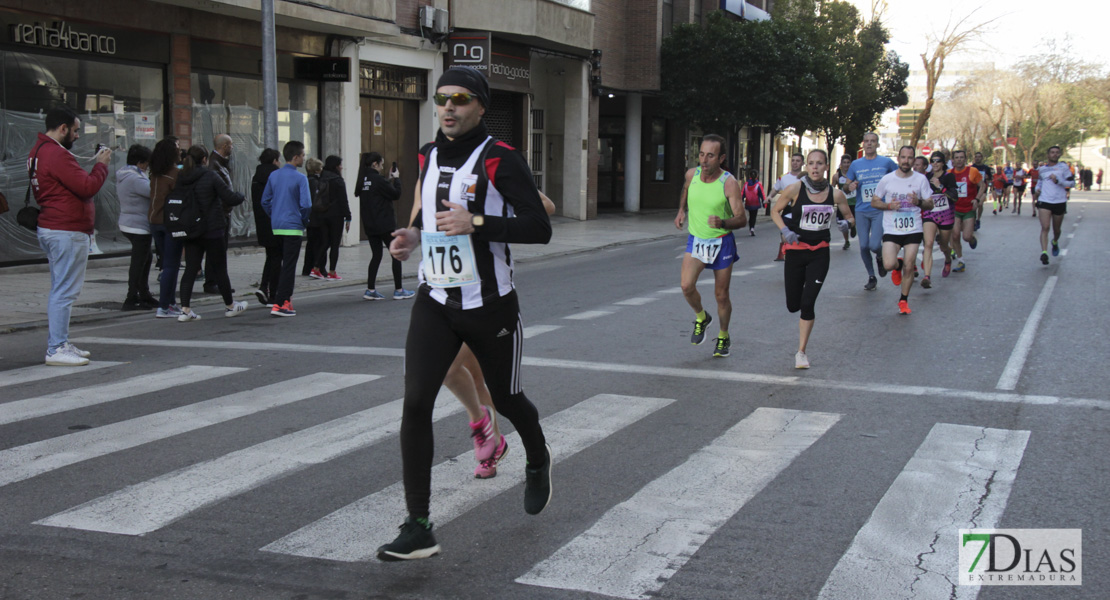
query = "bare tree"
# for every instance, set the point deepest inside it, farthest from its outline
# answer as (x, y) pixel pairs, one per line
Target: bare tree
(956, 36)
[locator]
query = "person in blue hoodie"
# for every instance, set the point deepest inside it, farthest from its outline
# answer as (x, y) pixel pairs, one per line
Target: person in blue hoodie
(287, 201)
(133, 189)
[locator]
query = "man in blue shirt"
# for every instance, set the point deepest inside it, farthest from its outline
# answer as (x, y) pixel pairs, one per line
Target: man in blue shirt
(865, 174)
(287, 200)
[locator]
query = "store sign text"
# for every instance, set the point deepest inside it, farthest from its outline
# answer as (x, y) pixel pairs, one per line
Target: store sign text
(61, 36)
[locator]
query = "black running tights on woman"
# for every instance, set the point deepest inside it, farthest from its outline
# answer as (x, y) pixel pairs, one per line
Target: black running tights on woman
(436, 332)
(804, 273)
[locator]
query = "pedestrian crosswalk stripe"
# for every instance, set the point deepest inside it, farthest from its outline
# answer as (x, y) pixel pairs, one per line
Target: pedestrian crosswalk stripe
(252, 346)
(30, 460)
(354, 532)
(639, 544)
(589, 314)
(637, 301)
(151, 505)
(534, 330)
(960, 477)
(58, 402)
(41, 372)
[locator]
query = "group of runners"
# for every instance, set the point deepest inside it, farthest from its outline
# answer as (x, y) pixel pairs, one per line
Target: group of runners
(903, 207)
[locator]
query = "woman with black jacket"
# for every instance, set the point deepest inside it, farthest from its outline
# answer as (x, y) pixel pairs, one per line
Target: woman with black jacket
(267, 284)
(335, 220)
(211, 194)
(376, 196)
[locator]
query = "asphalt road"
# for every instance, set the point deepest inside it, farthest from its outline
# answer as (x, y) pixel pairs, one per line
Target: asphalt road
(257, 457)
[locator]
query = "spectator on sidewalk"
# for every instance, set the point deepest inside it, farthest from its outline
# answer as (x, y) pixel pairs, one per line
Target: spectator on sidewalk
(133, 190)
(268, 162)
(163, 176)
(376, 195)
(207, 189)
(287, 201)
(335, 219)
(220, 161)
(313, 168)
(64, 192)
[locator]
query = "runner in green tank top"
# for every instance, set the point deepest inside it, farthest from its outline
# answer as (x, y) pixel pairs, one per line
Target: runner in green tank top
(715, 206)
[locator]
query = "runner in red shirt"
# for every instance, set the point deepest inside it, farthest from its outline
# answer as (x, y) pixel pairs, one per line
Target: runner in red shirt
(972, 189)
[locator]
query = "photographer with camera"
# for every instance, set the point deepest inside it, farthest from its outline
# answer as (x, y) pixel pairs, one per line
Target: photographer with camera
(64, 191)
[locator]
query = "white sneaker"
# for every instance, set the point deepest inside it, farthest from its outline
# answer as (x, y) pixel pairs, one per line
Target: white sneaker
(801, 361)
(188, 315)
(236, 309)
(77, 351)
(62, 357)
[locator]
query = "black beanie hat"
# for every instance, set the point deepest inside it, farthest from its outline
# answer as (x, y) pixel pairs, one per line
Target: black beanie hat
(469, 78)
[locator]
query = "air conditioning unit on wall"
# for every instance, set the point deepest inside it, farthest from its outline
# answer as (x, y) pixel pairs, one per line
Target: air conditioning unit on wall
(433, 19)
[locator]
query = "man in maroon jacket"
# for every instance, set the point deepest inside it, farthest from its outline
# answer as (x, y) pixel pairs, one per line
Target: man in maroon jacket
(65, 193)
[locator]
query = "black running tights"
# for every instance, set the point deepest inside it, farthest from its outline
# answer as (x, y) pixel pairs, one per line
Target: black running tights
(376, 243)
(804, 273)
(436, 332)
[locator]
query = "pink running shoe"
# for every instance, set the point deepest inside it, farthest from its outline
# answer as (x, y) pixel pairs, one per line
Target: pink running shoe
(482, 431)
(488, 468)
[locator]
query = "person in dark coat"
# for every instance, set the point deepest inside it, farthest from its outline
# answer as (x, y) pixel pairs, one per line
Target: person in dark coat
(268, 162)
(376, 195)
(313, 232)
(212, 195)
(335, 220)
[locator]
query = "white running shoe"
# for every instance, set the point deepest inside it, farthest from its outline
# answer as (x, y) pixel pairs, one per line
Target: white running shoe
(188, 315)
(801, 361)
(62, 357)
(236, 309)
(77, 351)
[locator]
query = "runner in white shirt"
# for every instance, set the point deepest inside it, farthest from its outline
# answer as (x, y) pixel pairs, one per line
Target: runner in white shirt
(902, 195)
(1051, 199)
(787, 180)
(1019, 188)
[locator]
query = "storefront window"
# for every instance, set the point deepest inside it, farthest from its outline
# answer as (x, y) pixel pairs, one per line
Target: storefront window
(119, 105)
(233, 105)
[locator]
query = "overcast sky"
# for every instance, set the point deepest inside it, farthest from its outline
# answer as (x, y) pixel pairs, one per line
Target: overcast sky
(1019, 29)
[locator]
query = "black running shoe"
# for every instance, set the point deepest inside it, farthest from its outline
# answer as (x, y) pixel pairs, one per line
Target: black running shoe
(698, 336)
(415, 541)
(722, 347)
(871, 283)
(882, 267)
(1044, 258)
(537, 485)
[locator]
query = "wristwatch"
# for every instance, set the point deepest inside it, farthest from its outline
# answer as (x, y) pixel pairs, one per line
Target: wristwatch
(477, 221)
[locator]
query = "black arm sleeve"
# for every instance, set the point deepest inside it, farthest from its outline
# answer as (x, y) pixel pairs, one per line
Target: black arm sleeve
(228, 197)
(530, 224)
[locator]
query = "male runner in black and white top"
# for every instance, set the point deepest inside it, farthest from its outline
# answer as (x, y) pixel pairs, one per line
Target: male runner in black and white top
(476, 195)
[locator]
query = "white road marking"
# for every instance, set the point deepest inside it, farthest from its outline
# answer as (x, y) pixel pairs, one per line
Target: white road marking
(639, 544)
(30, 460)
(960, 476)
(741, 273)
(637, 301)
(151, 505)
(674, 290)
(771, 266)
(1071, 235)
(1063, 252)
(40, 372)
(1014, 366)
(679, 257)
(589, 314)
(271, 347)
(58, 402)
(893, 389)
(534, 330)
(354, 532)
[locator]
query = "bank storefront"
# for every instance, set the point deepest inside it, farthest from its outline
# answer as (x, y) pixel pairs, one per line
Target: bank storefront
(115, 79)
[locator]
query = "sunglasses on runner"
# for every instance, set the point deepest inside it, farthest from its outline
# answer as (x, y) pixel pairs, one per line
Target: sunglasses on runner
(458, 99)
(936, 160)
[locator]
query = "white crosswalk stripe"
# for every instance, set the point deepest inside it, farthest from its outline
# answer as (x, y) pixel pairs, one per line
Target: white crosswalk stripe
(354, 532)
(960, 477)
(637, 546)
(30, 460)
(154, 504)
(31, 408)
(41, 372)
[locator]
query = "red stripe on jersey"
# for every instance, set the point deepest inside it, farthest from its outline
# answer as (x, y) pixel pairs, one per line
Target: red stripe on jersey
(491, 168)
(422, 159)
